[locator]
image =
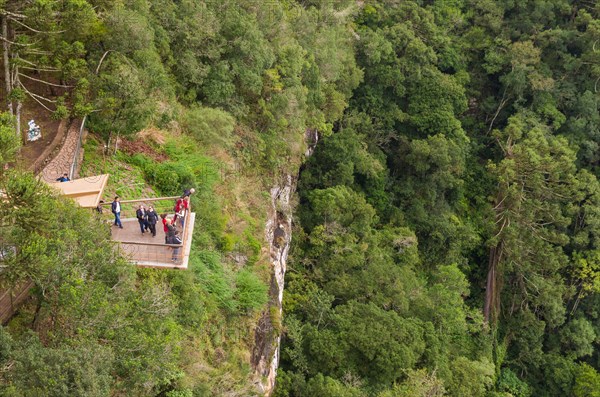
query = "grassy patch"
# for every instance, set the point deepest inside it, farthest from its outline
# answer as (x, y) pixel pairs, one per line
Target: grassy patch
(125, 180)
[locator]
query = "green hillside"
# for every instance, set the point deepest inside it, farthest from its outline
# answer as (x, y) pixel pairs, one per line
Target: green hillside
(446, 230)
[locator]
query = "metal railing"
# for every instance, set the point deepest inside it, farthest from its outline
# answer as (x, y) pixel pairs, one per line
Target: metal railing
(161, 205)
(77, 150)
(153, 255)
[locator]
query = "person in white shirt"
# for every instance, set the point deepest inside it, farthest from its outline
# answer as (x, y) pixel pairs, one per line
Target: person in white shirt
(116, 209)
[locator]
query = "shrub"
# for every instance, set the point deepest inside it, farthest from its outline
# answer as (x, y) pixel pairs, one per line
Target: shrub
(251, 293)
(510, 382)
(209, 126)
(169, 178)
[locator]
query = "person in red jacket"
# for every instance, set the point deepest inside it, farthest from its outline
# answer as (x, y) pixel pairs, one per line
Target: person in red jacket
(164, 222)
(183, 210)
(177, 208)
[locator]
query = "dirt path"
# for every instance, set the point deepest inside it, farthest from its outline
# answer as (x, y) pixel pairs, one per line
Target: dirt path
(32, 151)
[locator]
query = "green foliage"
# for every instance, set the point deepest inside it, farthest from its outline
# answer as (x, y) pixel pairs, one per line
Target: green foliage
(509, 382)
(458, 144)
(216, 280)
(587, 381)
(398, 348)
(471, 378)
(180, 393)
(9, 141)
(325, 386)
(71, 370)
(61, 112)
(251, 292)
(122, 100)
(411, 152)
(418, 384)
(586, 271)
(170, 178)
(209, 126)
(342, 206)
(577, 338)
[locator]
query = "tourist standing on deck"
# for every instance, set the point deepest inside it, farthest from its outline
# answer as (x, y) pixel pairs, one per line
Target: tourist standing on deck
(177, 208)
(151, 219)
(181, 215)
(116, 209)
(188, 192)
(170, 233)
(184, 210)
(165, 221)
(167, 226)
(175, 239)
(141, 217)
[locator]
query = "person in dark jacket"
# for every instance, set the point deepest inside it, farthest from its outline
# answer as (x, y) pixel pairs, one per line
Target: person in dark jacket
(99, 207)
(151, 219)
(116, 209)
(175, 239)
(63, 178)
(141, 217)
(170, 233)
(188, 192)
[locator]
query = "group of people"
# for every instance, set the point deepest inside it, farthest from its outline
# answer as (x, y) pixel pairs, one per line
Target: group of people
(148, 218)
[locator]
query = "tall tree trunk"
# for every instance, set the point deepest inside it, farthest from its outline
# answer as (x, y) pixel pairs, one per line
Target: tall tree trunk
(5, 55)
(18, 117)
(492, 292)
(16, 84)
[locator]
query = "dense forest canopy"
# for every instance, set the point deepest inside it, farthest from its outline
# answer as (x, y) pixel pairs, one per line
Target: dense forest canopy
(447, 229)
(447, 232)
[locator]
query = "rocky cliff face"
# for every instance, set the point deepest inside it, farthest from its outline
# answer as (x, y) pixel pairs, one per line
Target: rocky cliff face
(265, 355)
(278, 233)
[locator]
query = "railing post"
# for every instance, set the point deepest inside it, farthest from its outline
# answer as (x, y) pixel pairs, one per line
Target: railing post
(77, 149)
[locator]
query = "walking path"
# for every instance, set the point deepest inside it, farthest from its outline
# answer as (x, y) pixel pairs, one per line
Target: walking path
(63, 161)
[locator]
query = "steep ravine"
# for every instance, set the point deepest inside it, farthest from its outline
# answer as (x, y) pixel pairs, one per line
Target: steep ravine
(278, 234)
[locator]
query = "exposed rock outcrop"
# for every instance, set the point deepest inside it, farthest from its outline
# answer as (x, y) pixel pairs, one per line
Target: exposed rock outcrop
(278, 233)
(265, 355)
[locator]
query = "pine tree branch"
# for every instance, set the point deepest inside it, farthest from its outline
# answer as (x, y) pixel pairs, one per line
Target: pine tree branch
(102, 60)
(40, 69)
(27, 62)
(45, 82)
(37, 52)
(36, 95)
(35, 30)
(12, 14)
(503, 102)
(15, 43)
(34, 98)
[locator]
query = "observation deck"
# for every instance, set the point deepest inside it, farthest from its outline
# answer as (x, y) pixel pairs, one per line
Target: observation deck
(141, 248)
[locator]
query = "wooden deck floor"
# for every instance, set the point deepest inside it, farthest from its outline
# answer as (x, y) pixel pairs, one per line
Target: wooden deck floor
(148, 251)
